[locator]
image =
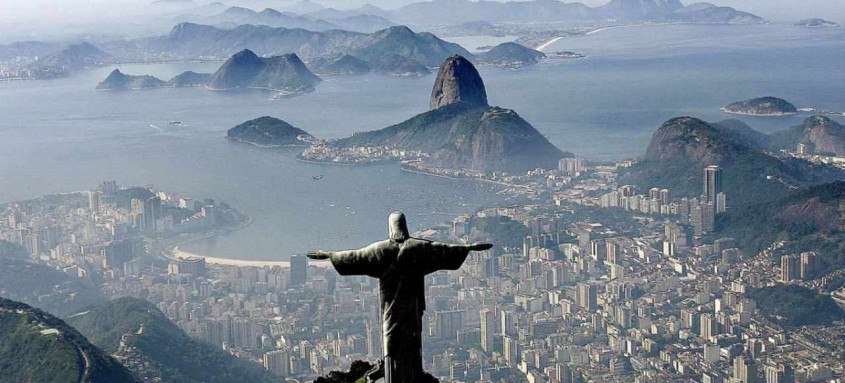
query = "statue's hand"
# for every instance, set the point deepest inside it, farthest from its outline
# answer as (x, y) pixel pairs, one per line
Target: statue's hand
(480, 246)
(318, 254)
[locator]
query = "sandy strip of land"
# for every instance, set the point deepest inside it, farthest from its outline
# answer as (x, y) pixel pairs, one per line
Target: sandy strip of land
(177, 253)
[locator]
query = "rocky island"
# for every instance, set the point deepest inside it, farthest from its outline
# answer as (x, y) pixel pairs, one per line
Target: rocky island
(763, 106)
(510, 54)
(285, 74)
(269, 132)
(461, 131)
(117, 80)
(816, 23)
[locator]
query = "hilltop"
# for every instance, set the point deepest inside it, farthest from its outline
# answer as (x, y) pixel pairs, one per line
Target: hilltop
(444, 12)
(378, 49)
(683, 146)
(70, 59)
(763, 106)
(808, 220)
(511, 54)
(279, 73)
(117, 80)
(822, 134)
(136, 331)
(269, 131)
(38, 347)
(462, 131)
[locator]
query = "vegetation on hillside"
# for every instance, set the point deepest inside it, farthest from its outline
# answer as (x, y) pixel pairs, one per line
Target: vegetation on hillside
(38, 347)
(789, 306)
(165, 348)
(505, 231)
(810, 220)
(9, 250)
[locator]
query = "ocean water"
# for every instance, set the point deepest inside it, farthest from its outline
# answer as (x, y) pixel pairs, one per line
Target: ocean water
(62, 135)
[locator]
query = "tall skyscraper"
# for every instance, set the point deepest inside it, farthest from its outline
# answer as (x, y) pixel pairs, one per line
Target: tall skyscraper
(587, 296)
(721, 203)
(447, 324)
(277, 362)
(94, 201)
(709, 326)
(809, 265)
(488, 328)
(298, 270)
(712, 183)
(779, 373)
(744, 370)
(510, 350)
(790, 266)
(708, 217)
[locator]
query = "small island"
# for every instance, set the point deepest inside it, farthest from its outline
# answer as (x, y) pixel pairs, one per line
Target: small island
(763, 106)
(285, 74)
(269, 132)
(117, 80)
(816, 23)
(510, 54)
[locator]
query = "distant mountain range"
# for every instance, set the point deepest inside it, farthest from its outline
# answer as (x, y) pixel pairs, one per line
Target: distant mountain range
(327, 20)
(135, 331)
(38, 347)
(439, 12)
(462, 131)
(682, 147)
(395, 50)
(67, 60)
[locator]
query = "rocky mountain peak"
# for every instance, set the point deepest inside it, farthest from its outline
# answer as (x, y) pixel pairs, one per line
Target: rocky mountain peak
(458, 80)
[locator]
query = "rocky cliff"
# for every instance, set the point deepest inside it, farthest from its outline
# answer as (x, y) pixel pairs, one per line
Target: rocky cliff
(458, 80)
(279, 73)
(462, 131)
(683, 146)
(825, 135)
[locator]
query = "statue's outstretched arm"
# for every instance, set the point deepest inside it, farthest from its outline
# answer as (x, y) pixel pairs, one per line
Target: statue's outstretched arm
(445, 256)
(364, 261)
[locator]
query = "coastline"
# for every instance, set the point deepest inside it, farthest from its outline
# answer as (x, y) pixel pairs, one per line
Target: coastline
(726, 111)
(410, 169)
(178, 253)
(300, 158)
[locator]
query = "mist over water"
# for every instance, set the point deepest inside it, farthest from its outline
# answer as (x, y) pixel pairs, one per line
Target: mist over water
(63, 135)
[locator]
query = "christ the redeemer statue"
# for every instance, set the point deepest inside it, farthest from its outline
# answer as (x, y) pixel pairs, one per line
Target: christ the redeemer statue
(400, 263)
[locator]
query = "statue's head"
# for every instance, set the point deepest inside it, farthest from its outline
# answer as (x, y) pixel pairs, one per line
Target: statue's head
(398, 227)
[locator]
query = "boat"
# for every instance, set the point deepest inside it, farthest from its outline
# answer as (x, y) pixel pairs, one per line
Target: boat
(318, 177)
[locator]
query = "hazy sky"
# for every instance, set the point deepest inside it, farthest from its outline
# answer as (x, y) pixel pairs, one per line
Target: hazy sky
(58, 13)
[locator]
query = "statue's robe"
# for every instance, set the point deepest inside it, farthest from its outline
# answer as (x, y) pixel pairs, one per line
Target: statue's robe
(401, 268)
